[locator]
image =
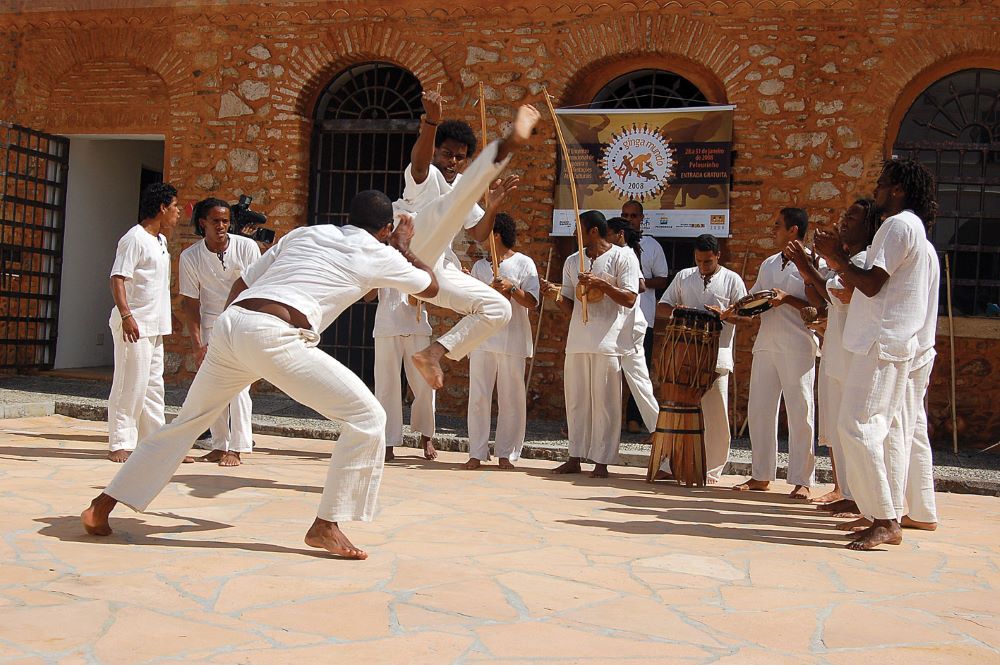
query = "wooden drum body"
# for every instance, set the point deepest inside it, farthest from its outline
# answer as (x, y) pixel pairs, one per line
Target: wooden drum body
(686, 372)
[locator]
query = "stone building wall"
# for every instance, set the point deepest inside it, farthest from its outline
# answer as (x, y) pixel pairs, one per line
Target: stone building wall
(819, 87)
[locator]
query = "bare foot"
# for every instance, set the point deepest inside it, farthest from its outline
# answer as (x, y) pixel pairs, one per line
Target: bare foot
(230, 458)
(119, 456)
(832, 496)
(908, 523)
(799, 492)
(95, 517)
(389, 454)
(429, 451)
(855, 525)
(572, 465)
(213, 456)
(472, 464)
(882, 532)
(506, 464)
(842, 506)
(847, 515)
(663, 475)
(711, 481)
(327, 536)
(753, 485)
(600, 471)
(187, 460)
(428, 363)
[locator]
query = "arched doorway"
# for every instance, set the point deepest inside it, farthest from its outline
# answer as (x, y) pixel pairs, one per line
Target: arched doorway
(953, 128)
(364, 126)
(655, 89)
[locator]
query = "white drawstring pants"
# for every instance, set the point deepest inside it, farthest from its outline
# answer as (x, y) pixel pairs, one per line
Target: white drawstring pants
(392, 354)
(506, 372)
(135, 406)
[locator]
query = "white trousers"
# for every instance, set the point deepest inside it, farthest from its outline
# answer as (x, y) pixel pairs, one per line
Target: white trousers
(715, 415)
(873, 394)
(135, 406)
(233, 429)
(593, 387)
(506, 372)
(248, 346)
(637, 374)
(918, 481)
(831, 392)
(774, 375)
(391, 355)
(434, 229)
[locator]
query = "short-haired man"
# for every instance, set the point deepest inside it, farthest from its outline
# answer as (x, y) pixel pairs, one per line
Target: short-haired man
(499, 361)
(206, 272)
(592, 377)
(140, 286)
(784, 367)
(710, 285)
(278, 309)
(654, 272)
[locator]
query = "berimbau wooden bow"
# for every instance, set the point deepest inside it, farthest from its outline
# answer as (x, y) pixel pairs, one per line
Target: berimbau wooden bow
(482, 121)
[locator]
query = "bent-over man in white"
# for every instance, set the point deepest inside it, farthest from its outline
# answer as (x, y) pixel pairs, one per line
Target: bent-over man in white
(279, 307)
(402, 329)
(711, 286)
(140, 286)
(207, 271)
(499, 361)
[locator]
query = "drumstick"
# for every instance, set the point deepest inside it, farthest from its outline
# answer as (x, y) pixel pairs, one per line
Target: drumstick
(482, 122)
(951, 344)
(538, 330)
(572, 189)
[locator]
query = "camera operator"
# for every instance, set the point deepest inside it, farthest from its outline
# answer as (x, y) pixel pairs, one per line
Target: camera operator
(208, 270)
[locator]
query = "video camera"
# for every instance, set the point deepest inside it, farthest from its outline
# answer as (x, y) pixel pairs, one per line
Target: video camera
(244, 217)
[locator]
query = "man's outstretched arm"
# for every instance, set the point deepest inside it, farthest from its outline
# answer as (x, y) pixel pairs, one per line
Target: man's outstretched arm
(423, 149)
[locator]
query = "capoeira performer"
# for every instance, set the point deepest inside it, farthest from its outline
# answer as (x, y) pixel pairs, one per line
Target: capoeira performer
(499, 361)
(634, 365)
(206, 273)
(402, 329)
(279, 308)
(856, 230)
(655, 272)
(887, 311)
(432, 176)
(280, 305)
(140, 287)
(784, 366)
(592, 376)
(711, 286)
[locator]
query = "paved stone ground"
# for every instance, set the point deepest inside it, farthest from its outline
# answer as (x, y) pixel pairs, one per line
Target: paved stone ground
(467, 567)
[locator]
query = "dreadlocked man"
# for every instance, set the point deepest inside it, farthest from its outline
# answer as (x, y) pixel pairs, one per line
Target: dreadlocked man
(887, 311)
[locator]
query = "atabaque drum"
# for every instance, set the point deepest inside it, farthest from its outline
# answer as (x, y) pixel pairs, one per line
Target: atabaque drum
(688, 356)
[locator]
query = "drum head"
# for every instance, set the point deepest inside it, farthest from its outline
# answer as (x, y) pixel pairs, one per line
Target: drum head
(755, 303)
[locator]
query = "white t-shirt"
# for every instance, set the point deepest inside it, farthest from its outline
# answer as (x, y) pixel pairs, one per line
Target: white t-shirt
(416, 197)
(144, 261)
(394, 316)
(927, 335)
(514, 339)
(322, 270)
(206, 277)
(893, 317)
(605, 319)
(654, 264)
(835, 357)
(781, 328)
(688, 289)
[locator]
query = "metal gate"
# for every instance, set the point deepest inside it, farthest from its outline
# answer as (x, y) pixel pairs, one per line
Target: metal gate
(365, 125)
(32, 217)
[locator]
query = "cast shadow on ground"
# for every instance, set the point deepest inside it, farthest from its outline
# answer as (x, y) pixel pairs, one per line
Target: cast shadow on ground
(27, 453)
(207, 486)
(133, 531)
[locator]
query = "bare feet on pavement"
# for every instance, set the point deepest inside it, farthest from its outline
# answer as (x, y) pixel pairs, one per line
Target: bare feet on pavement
(830, 497)
(663, 475)
(506, 465)
(600, 471)
(472, 464)
(799, 492)
(429, 451)
(842, 506)
(95, 517)
(119, 456)
(572, 465)
(753, 485)
(187, 460)
(428, 363)
(882, 532)
(389, 454)
(908, 523)
(327, 536)
(855, 525)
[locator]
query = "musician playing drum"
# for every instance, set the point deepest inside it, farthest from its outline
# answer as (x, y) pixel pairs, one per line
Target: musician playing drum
(712, 286)
(784, 365)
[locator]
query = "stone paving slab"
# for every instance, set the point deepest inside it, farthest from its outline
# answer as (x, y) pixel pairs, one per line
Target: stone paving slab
(467, 567)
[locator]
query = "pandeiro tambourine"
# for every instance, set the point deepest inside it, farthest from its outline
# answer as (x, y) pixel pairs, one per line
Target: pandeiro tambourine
(755, 303)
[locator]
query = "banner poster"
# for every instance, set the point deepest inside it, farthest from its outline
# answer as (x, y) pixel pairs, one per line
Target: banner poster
(676, 162)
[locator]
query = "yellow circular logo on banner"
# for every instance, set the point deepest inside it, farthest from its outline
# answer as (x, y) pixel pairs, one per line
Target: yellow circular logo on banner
(638, 162)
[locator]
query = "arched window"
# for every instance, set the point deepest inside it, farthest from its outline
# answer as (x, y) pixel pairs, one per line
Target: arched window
(655, 89)
(953, 128)
(365, 125)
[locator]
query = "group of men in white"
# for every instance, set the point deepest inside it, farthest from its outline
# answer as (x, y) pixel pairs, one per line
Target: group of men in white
(253, 316)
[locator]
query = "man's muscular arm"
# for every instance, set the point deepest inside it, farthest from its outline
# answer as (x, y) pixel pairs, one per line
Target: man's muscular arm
(423, 149)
